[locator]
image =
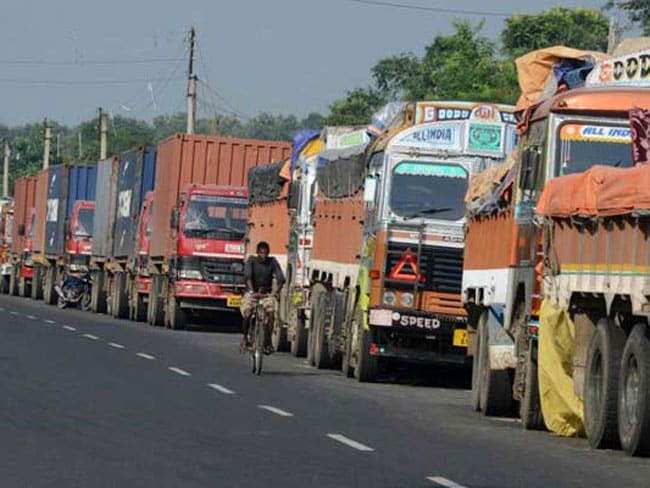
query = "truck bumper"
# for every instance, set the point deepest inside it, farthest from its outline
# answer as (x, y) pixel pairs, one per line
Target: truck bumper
(26, 272)
(142, 285)
(200, 295)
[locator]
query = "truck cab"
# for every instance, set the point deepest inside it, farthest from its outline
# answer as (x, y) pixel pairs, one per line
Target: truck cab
(79, 241)
(140, 297)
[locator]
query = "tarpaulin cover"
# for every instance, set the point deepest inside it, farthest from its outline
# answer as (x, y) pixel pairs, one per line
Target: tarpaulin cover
(301, 139)
(265, 182)
(536, 75)
(343, 177)
(487, 189)
(561, 407)
(599, 191)
(640, 128)
(383, 117)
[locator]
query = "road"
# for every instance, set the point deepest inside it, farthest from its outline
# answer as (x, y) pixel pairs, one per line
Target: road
(89, 401)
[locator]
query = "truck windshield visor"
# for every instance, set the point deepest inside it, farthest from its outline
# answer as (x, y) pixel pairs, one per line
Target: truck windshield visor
(85, 223)
(428, 190)
(585, 145)
(215, 217)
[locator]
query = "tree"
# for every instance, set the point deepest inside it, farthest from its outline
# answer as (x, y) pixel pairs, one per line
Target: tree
(356, 108)
(638, 11)
(579, 28)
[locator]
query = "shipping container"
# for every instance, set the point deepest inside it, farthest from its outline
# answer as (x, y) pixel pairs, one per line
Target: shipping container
(40, 206)
(24, 200)
(104, 207)
(204, 160)
(137, 172)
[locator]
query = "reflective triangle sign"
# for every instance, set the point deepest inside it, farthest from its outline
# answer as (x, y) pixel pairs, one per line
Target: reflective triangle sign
(406, 261)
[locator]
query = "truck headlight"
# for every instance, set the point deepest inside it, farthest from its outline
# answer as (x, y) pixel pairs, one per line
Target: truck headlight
(190, 274)
(407, 299)
(389, 298)
(237, 267)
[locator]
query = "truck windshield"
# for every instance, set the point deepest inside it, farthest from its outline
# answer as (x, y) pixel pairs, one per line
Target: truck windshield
(85, 223)
(583, 146)
(428, 190)
(216, 217)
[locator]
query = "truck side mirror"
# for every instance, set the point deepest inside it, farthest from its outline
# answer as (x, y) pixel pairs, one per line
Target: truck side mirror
(529, 169)
(369, 190)
(174, 219)
(21, 230)
(294, 195)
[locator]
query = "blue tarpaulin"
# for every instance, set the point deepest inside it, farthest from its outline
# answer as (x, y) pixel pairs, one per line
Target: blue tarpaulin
(299, 142)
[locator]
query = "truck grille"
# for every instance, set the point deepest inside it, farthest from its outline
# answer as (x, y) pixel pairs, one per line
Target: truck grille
(442, 267)
(221, 271)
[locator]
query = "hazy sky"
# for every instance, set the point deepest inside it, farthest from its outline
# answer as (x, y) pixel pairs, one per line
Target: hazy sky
(280, 56)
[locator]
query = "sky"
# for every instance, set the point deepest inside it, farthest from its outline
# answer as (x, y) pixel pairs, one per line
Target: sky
(63, 59)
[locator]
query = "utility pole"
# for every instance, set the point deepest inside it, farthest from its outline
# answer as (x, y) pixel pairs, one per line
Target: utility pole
(612, 36)
(102, 134)
(191, 86)
(47, 136)
(5, 175)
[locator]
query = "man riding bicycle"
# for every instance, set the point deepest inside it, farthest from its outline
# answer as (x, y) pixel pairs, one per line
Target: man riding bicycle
(259, 272)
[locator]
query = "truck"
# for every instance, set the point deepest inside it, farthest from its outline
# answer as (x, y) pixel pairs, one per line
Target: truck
(64, 226)
(196, 254)
(6, 238)
(596, 278)
(385, 268)
(139, 293)
(21, 247)
(560, 135)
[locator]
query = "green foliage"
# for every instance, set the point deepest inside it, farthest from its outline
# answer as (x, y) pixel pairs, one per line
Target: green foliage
(579, 28)
(356, 108)
(638, 11)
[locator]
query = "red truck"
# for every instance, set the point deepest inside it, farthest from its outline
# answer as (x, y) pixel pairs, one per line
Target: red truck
(199, 223)
(139, 296)
(20, 281)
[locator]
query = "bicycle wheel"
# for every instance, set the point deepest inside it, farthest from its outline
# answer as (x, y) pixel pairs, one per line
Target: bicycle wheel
(252, 333)
(259, 341)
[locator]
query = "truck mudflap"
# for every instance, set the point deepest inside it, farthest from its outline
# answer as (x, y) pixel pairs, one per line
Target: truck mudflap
(418, 336)
(191, 291)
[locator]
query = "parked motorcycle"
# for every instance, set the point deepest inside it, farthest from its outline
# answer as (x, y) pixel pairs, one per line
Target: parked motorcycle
(74, 291)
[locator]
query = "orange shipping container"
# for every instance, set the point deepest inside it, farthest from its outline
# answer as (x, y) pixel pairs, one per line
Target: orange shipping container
(24, 198)
(205, 160)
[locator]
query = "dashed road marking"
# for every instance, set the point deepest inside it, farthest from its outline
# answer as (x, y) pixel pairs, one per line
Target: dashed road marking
(277, 411)
(221, 389)
(146, 356)
(14, 313)
(90, 336)
(2, 309)
(179, 371)
(350, 443)
(31, 317)
(439, 480)
(116, 345)
(69, 327)
(49, 321)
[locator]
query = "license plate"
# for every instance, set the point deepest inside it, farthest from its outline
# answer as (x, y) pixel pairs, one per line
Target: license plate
(233, 301)
(460, 338)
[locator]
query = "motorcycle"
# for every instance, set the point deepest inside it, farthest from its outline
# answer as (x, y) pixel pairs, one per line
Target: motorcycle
(75, 291)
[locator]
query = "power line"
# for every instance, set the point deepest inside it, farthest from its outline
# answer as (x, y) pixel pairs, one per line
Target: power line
(42, 62)
(77, 82)
(422, 8)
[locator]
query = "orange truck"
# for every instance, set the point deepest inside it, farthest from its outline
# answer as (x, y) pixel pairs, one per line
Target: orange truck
(387, 258)
(564, 134)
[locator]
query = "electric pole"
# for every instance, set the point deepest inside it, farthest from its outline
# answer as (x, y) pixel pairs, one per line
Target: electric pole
(612, 36)
(47, 136)
(102, 134)
(191, 85)
(5, 175)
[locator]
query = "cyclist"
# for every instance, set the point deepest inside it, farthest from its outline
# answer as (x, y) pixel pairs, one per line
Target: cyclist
(259, 272)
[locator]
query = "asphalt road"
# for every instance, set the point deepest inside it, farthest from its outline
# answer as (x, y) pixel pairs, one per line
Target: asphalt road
(89, 401)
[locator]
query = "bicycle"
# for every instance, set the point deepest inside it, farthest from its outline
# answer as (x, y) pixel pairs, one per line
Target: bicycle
(257, 336)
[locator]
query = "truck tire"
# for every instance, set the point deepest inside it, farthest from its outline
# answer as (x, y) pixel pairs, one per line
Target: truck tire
(634, 393)
(49, 294)
(600, 393)
(4, 283)
(155, 310)
(477, 363)
(279, 337)
(139, 307)
(299, 343)
(120, 306)
(98, 293)
(13, 281)
(495, 386)
(365, 369)
(530, 408)
(37, 283)
(313, 321)
(24, 288)
(321, 349)
(176, 317)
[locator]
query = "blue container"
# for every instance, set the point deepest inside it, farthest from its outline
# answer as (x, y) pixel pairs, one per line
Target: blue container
(137, 173)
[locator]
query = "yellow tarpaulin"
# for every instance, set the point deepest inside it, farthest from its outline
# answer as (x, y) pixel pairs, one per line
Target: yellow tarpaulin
(562, 408)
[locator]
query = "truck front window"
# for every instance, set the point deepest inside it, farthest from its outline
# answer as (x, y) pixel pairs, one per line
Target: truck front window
(428, 190)
(583, 146)
(215, 217)
(85, 223)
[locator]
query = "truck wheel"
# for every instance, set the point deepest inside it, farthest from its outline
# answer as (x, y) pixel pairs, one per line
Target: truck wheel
(4, 283)
(601, 385)
(634, 393)
(139, 308)
(279, 337)
(299, 343)
(313, 322)
(37, 283)
(365, 369)
(120, 306)
(13, 281)
(176, 317)
(495, 390)
(155, 310)
(477, 363)
(24, 288)
(530, 408)
(98, 293)
(321, 349)
(50, 296)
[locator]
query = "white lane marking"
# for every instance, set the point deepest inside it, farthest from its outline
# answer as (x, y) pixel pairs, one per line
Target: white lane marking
(49, 321)
(277, 411)
(31, 317)
(221, 389)
(146, 356)
(179, 371)
(444, 482)
(2, 309)
(14, 313)
(116, 345)
(90, 336)
(68, 327)
(350, 443)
